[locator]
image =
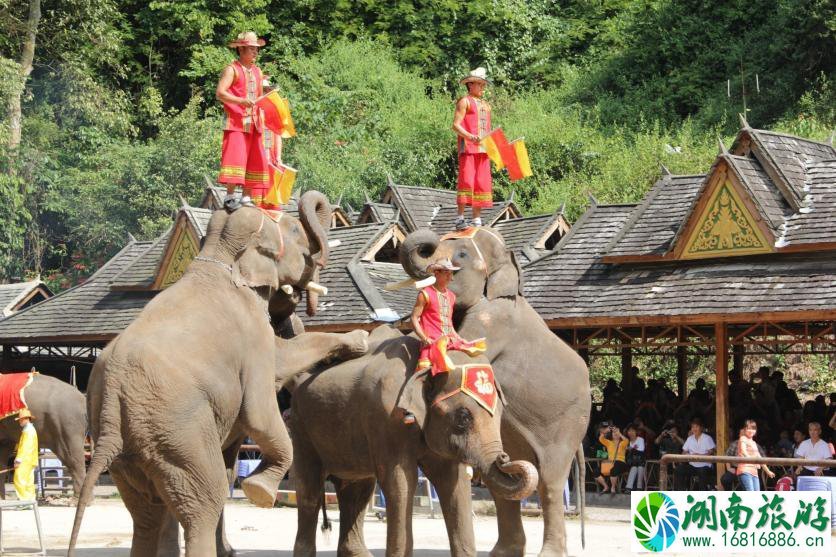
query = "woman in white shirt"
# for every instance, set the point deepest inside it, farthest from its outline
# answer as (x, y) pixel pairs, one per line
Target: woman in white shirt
(814, 448)
(635, 458)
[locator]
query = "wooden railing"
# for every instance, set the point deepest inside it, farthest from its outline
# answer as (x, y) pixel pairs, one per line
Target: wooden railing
(769, 461)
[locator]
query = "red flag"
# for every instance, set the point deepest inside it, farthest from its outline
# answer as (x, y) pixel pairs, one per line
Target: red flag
(512, 156)
(277, 114)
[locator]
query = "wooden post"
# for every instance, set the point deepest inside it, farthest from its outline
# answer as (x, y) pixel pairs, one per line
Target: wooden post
(721, 400)
(626, 371)
(584, 353)
(681, 368)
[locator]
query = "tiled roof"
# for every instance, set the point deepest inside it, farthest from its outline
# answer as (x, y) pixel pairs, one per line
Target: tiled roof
(763, 191)
(376, 212)
(419, 205)
(140, 274)
(573, 283)
(350, 299)
(444, 218)
(521, 234)
(90, 309)
(788, 155)
(816, 220)
(12, 294)
(653, 224)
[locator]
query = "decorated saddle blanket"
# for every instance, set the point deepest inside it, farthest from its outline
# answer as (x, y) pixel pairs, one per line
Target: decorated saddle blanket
(12, 385)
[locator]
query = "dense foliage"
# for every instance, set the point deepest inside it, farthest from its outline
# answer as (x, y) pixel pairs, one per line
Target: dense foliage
(119, 119)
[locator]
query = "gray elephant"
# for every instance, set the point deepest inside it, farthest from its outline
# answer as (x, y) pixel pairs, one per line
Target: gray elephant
(194, 372)
(345, 424)
(60, 420)
(545, 381)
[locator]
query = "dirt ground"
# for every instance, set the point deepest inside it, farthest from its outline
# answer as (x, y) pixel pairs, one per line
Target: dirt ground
(258, 532)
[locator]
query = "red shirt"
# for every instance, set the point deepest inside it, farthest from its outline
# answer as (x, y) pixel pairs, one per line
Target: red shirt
(247, 85)
(477, 120)
(437, 317)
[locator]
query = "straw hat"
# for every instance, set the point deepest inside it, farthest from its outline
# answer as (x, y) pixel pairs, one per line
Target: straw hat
(24, 413)
(247, 38)
(442, 265)
(479, 74)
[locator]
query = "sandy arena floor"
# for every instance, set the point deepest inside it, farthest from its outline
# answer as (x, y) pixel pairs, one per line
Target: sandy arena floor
(270, 532)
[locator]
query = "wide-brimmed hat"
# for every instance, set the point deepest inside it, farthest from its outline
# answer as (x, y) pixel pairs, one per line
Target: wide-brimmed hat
(247, 38)
(479, 74)
(442, 265)
(24, 413)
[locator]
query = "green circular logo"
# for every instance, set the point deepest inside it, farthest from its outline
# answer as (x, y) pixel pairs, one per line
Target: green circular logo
(656, 521)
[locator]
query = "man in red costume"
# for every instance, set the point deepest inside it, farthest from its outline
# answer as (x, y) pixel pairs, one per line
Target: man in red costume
(472, 122)
(243, 156)
(432, 319)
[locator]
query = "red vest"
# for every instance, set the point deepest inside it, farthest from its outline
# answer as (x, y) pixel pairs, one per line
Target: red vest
(247, 85)
(437, 317)
(477, 120)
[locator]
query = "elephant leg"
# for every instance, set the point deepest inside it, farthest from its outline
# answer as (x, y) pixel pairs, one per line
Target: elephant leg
(304, 352)
(511, 541)
(262, 421)
(554, 473)
(169, 538)
(70, 451)
(5, 456)
(310, 481)
(399, 489)
(149, 516)
(452, 485)
(192, 482)
(230, 458)
(354, 498)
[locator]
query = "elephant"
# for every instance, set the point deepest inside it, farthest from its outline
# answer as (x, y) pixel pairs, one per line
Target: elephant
(195, 372)
(545, 381)
(60, 420)
(344, 423)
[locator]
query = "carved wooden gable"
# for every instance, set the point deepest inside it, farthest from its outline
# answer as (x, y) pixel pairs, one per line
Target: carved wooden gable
(725, 223)
(182, 248)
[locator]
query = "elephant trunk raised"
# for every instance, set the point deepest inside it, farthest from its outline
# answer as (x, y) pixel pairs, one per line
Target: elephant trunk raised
(513, 480)
(417, 251)
(315, 215)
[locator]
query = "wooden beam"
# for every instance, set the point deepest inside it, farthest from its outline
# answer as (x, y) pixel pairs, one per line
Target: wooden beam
(721, 399)
(692, 319)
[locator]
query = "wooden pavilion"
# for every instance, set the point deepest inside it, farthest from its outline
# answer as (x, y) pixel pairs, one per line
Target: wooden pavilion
(741, 260)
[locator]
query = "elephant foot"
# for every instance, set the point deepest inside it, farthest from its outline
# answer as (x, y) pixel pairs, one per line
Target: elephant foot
(552, 552)
(356, 344)
(508, 551)
(354, 552)
(226, 552)
(260, 491)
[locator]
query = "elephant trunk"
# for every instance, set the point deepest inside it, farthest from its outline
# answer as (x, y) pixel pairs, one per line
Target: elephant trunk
(417, 251)
(512, 480)
(315, 215)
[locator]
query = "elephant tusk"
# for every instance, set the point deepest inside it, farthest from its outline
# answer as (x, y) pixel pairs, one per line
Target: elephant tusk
(423, 283)
(334, 243)
(317, 288)
(287, 289)
(392, 286)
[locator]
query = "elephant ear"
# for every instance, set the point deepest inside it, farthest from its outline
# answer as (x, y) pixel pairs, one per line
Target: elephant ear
(254, 268)
(412, 397)
(500, 392)
(506, 280)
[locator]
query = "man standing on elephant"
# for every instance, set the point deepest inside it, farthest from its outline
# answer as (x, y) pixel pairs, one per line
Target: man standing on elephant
(243, 156)
(472, 122)
(26, 457)
(432, 319)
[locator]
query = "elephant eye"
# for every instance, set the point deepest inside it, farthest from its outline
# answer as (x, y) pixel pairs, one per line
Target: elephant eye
(462, 254)
(462, 420)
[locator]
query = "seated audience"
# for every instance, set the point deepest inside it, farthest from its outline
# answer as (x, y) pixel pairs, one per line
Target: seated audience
(635, 458)
(698, 443)
(814, 448)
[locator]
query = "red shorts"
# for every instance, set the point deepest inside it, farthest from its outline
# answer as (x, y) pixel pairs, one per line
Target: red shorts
(474, 186)
(244, 162)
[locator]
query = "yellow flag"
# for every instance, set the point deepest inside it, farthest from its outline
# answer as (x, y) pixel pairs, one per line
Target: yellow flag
(283, 178)
(522, 157)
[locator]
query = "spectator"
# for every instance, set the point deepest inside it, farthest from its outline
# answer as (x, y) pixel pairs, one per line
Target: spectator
(814, 448)
(784, 448)
(798, 437)
(635, 458)
(730, 475)
(669, 440)
(746, 447)
(698, 443)
(610, 389)
(615, 465)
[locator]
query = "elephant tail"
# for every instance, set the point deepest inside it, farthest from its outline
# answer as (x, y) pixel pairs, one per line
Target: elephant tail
(107, 448)
(579, 473)
(326, 522)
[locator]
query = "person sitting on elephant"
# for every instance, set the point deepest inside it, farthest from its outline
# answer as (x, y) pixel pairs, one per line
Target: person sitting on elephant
(432, 319)
(26, 457)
